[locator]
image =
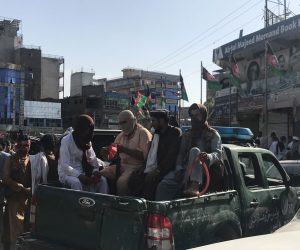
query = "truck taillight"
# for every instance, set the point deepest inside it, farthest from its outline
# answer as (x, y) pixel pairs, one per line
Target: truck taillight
(33, 211)
(159, 233)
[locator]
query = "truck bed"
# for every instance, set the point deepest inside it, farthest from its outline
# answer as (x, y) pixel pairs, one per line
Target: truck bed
(69, 219)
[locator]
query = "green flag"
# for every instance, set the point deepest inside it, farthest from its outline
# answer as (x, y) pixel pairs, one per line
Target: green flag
(211, 81)
(141, 101)
(184, 95)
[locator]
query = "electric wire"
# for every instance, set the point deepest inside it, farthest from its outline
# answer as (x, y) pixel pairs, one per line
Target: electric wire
(198, 36)
(196, 40)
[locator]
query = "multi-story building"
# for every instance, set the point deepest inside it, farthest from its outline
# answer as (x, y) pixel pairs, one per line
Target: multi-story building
(82, 78)
(11, 97)
(264, 101)
(43, 74)
(31, 59)
(102, 106)
(52, 76)
(40, 76)
(10, 38)
(134, 80)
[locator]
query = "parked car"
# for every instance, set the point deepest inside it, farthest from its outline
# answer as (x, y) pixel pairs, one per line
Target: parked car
(287, 237)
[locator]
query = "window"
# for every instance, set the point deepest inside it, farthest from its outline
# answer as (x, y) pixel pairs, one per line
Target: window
(250, 169)
(93, 103)
(271, 167)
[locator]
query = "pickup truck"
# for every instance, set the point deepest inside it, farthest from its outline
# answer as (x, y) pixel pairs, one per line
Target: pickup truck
(255, 202)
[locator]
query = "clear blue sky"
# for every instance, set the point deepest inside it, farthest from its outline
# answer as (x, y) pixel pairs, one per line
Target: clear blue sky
(159, 35)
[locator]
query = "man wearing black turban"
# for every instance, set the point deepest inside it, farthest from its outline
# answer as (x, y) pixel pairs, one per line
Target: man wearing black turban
(202, 141)
(78, 166)
(161, 159)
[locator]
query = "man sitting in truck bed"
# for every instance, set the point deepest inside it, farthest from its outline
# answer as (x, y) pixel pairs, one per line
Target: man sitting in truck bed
(132, 146)
(202, 141)
(162, 158)
(78, 166)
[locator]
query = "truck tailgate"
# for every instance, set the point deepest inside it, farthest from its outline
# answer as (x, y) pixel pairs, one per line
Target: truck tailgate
(86, 220)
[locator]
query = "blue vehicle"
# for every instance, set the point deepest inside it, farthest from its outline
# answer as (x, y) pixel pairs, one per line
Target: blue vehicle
(232, 135)
(235, 135)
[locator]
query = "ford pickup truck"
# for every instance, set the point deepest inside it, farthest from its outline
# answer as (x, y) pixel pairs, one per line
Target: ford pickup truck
(255, 202)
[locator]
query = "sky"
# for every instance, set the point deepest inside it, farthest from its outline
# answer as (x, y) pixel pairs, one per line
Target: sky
(106, 36)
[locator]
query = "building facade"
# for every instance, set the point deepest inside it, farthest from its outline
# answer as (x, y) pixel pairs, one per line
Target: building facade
(52, 76)
(103, 107)
(80, 79)
(31, 58)
(159, 84)
(11, 97)
(25, 74)
(263, 99)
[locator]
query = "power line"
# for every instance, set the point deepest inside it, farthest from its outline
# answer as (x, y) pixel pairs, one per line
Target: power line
(206, 46)
(218, 40)
(192, 42)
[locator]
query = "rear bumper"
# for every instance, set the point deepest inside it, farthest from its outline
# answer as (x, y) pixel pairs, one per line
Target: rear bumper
(26, 242)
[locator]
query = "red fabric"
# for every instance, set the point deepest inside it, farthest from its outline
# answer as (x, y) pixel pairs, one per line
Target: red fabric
(112, 151)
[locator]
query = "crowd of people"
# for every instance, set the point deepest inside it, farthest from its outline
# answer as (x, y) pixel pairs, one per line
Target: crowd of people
(157, 165)
(281, 147)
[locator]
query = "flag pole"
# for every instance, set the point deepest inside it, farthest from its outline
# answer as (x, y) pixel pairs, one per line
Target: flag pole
(229, 118)
(201, 82)
(266, 95)
(179, 107)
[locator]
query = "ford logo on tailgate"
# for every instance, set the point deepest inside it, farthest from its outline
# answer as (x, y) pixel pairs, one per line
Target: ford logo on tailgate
(87, 202)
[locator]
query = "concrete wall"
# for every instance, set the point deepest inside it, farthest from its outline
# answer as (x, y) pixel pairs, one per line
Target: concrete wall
(50, 78)
(93, 90)
(9, 39)
(6, 49)
(31, 58)
(80, 79)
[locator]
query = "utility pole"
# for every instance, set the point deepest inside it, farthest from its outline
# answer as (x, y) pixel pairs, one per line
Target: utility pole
(266, 97)
(201, 83)
(266, 14)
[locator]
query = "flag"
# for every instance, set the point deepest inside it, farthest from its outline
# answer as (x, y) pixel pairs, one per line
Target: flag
(174, 93)
(184, 95)
(272, 61)
(140, 100)
(162, 99)
(234, 76)
(149, 98)
(211, 81)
